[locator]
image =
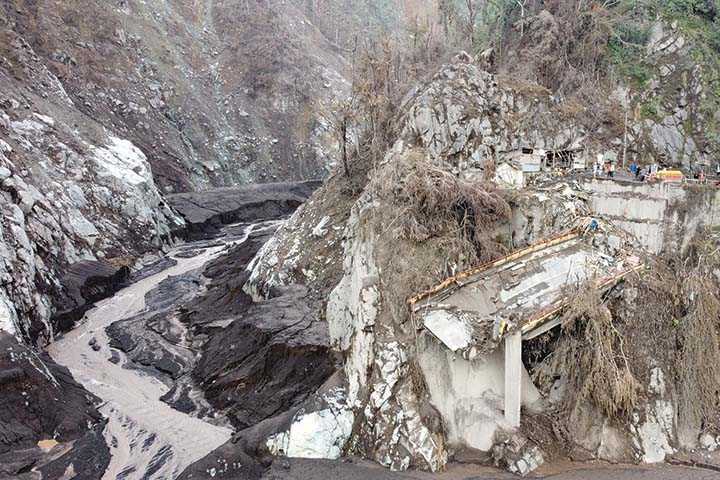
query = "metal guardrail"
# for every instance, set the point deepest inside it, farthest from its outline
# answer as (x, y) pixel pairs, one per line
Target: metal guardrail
(540, 318)
(561, 238)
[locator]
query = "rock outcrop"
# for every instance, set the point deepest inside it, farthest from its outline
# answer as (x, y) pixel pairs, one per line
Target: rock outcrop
(652, 85)
(456, 128)
(260, 359)
(49, 424)
(458, 122)
(70, 193)
(205, 212)
(674, 123)
(86, 282)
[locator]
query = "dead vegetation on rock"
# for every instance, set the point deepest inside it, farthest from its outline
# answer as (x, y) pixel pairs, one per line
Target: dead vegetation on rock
(666, 317)
(433, 202)
(698, 371)
(594, 355)
(683, 296)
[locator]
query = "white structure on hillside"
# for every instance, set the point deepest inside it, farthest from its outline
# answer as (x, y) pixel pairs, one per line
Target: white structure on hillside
(481, 317)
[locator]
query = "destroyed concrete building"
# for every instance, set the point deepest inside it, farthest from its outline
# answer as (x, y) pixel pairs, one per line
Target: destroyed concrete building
(480, 313)
(535, 160)
(515, 168)
(481, 317)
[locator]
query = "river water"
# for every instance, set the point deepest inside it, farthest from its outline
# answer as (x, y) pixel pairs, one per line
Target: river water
(148, 439)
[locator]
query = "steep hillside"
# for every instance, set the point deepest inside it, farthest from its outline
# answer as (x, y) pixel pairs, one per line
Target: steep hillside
(427, 211)
(214, 93)
(438, 203)
(71, 191)
(656, 60)
(105, 108)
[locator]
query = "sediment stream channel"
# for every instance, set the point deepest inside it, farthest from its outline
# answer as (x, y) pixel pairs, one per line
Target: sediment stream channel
(147, 438)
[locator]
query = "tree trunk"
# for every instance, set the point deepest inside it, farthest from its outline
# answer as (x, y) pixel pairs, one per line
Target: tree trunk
(343, 141)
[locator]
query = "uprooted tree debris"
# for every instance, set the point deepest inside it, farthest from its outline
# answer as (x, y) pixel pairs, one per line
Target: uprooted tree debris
(665, 317)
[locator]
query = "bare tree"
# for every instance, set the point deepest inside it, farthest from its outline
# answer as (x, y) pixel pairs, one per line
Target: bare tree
(521, 4)
(342, 127)
(445, 11)
(472, 12)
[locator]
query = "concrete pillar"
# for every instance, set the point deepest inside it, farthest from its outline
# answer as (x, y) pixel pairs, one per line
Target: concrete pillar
(513, 378)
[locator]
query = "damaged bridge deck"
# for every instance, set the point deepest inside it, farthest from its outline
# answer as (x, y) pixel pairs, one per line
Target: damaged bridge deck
(514, 298)
(472, 311)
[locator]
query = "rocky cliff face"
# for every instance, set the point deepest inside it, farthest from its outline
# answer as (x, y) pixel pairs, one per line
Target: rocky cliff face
(648, 72)
(106, 108)
(213, 93)
(672, 118)
(396, 239)
(458, 122)
(71, 191)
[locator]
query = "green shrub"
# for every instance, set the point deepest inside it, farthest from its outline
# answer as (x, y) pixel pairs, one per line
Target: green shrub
(651, 110)
(689, 7)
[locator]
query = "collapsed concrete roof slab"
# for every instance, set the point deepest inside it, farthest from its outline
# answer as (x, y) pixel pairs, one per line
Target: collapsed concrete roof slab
(471, 312)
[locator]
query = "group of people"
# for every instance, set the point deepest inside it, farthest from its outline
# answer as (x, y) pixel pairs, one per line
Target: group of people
(644, 173)
(639, 173)
(608, 168)
(702, 177)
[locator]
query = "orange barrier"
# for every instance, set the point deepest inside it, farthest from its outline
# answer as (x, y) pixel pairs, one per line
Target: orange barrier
(670, 176)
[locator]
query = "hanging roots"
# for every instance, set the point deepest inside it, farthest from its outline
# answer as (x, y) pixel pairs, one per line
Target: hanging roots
(598, 369)
(683, 299)
(698, 372)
